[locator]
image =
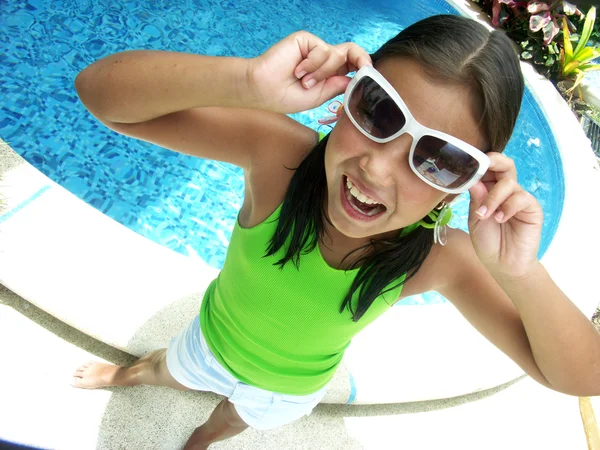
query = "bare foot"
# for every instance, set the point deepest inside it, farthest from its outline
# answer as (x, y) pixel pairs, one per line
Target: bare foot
(93, 375)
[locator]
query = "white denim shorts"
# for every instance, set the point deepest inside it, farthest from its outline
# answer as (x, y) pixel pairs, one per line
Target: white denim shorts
(192, 364)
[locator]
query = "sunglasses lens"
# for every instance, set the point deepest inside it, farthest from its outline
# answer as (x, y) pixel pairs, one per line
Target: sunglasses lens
(374, 110)
(442, 163)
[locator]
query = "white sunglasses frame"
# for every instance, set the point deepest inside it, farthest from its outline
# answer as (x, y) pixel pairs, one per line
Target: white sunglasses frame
(416, 130)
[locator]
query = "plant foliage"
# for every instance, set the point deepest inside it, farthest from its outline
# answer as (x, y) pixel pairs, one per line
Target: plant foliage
(538, 27)
(575, 63)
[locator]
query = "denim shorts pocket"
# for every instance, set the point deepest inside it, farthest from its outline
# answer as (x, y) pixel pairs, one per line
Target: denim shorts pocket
(252, 404)
(296, 399)
(296, 406)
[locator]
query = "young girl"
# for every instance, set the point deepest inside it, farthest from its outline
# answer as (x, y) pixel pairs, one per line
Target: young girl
(333, 232)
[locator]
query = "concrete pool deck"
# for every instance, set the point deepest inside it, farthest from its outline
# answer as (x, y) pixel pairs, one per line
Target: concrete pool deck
(40, 408)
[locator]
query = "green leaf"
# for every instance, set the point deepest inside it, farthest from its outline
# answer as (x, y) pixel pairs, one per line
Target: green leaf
(569, 68)
(587, 54)
(567, 43)
(587, 29)
(550, 60)
(526, 55)
(589, 67)
(539, 58)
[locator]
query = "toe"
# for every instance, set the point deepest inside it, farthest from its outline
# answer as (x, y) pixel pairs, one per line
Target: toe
(84, 366)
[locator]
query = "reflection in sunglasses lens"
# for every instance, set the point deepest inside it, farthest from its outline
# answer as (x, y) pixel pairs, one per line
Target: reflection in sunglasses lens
(374, 110)
(443, 163)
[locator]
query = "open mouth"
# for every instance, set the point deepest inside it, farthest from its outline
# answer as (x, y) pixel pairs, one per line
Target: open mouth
(357, 204)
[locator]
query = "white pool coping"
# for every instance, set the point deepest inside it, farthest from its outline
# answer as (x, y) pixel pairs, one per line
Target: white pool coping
(89, 271)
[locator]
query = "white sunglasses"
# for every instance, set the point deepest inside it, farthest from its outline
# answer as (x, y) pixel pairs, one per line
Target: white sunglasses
(440, 160)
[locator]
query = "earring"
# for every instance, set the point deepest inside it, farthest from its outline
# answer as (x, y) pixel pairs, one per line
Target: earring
(440, 228)
(440, 216)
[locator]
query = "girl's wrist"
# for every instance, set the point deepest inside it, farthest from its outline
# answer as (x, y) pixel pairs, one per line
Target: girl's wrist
(249, 87)
(516, 280)
(235, 89)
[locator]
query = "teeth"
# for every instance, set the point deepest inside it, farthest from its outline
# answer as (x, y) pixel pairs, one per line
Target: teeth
(375, 210)
(359, 195)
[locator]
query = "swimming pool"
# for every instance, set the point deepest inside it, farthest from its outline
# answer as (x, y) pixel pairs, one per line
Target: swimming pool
(185, 203)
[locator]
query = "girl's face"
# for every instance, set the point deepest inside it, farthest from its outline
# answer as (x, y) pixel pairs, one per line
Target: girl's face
(381, 171)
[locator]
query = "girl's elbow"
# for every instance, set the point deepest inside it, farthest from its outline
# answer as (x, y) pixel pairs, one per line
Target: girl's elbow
(582, 389)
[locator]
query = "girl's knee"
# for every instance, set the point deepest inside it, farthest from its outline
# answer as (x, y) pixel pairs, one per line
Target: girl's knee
(231, 416)
(161, 371)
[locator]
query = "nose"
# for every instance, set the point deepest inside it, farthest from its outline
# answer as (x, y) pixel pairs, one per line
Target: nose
(382, 161)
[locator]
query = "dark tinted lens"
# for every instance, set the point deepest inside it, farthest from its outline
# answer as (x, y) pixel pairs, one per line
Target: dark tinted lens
(374, 110)
(443, 163)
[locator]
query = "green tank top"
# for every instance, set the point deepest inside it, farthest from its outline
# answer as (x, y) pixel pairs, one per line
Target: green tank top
(280, 329)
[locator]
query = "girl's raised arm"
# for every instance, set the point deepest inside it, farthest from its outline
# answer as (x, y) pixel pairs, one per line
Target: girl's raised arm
(220, 108)
(505, 292)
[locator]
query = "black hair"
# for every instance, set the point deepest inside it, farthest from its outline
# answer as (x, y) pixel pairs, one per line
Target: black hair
(450, 49)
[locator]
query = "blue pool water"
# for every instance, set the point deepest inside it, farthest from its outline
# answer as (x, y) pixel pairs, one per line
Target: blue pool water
(181, 202)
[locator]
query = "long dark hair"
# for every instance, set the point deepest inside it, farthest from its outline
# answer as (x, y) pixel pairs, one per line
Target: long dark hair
(451, 49)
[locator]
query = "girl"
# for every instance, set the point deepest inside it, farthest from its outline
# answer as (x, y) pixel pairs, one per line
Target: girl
(332, 233)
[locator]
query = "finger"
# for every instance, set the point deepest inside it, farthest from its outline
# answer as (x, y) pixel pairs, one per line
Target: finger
(489, 181)
(519, 202)
(333, 87)
(501, 191)
(501, 166)
(313, 52)
(477, 193)
(356, 57)
(315, 58)
(335, 61)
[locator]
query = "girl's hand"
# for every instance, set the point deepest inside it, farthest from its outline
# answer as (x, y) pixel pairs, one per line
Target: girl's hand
(302, 72)
(505, 221)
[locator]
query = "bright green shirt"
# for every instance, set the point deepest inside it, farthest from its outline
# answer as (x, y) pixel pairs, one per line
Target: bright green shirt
(280, 329)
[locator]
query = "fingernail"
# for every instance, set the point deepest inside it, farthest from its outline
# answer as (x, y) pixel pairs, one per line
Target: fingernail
(310, 83)
(499, 216)
(301, 74)
(481, 211)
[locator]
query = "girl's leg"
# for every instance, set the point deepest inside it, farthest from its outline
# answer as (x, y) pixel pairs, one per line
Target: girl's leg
(149, 369)
(223, 423)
